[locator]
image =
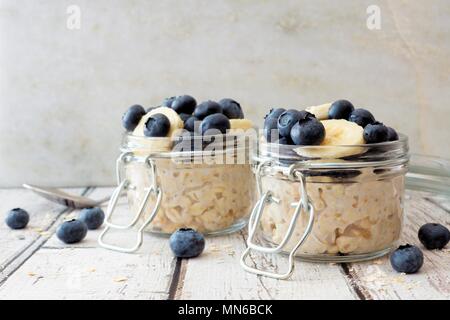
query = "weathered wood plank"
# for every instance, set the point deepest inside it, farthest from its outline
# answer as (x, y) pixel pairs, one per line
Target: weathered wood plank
(17, 245)
(432, 282)
(85, 271)
(219, 268)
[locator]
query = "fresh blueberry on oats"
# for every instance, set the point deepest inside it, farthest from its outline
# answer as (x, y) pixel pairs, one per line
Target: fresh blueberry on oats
(392, 134)
(308, 131)
(184, 104)
(407, 259)
(231, 108)
(17, 219)
(187, 243)
(131, 118)
(376, 133)
(207, 108)
(191, 124)
(92, 217)
(274, 113)
(158, 125)
(287, 120)
(168, 102)
(185, 116)
(271, 132)
(340, 109)
(215, 124)
(285, 140)
(361, 117)
(72, 231)
(434, 236)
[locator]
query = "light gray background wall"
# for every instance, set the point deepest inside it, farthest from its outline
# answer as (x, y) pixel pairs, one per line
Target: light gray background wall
(62, 92)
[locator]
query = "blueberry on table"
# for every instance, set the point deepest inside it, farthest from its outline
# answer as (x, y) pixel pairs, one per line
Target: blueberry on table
(376, 133)
(434, 236)
(131, 118)
(392, 134)
(207, 108)
(215, 123)
(271, 132)
(184, 104)
(92, 217)
(288, 119)
(168, 102)
(191, 124)
(361, 117)
(72, 231)
(407, 259)
(340, 109)
(232, 109)
(308, 132)
(187, 243)
(158, 125)
(17, 219)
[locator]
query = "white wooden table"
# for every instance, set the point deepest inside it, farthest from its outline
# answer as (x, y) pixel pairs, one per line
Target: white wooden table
(34, 264)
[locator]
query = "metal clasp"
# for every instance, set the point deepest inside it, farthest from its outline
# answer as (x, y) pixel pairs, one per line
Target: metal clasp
(304, 204)
(123, 184)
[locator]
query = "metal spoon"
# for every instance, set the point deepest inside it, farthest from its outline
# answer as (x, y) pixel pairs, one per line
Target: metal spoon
(66, 199)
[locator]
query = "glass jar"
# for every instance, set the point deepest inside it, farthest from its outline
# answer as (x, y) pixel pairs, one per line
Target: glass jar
(170, 186)
(319, 207)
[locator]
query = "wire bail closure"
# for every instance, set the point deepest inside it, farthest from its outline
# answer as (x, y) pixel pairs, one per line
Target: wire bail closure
(304, 203)
(124, 184)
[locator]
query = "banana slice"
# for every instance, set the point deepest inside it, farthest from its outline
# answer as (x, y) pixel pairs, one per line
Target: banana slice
(340, 135)
(243, 124)
(321, 112)
(175, 121)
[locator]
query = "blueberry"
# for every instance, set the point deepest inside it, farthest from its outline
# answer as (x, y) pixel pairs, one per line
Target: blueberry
(361, 117)
(187, 243)
(158, 125)
(232, 109)
(308, 132)
(72, 231)
(434, 236)
(215, 121)
(185, 116)
(392, 134)
(184, 104)
(274, 113)
(191, 124)
(340, 109)
(376, 132)
(17, 218)
(270, 129)
(168, 102)
(131, 118)
(288, 119)
(207, 108)
(93, 217)
(407, 259)
(286, 141)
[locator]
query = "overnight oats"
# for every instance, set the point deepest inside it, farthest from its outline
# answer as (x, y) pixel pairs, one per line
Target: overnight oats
(185, 165)
(331, 183)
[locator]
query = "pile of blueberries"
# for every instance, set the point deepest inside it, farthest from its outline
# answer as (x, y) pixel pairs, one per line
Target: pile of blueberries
(185, 243)
(197, 118)
(294, 127)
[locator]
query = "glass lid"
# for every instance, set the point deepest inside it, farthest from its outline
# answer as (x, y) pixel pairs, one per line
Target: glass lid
(430, 174)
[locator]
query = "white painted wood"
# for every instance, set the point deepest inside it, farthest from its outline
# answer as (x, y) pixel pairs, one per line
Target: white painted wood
(219, 268)
(432, 281)
(43, 214)
(85, 271)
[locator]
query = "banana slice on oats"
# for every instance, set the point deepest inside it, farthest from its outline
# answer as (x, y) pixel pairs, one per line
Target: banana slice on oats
(321, 112)
(243, 124)
(340, 136)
